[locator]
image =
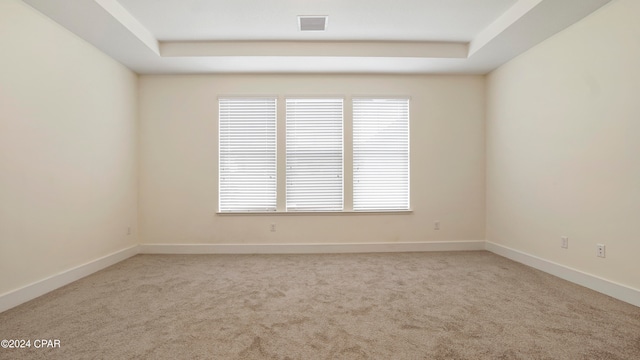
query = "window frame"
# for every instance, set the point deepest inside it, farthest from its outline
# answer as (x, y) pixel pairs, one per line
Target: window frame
(398, 153)
(274, 177)
(290, 176)
(347, 156)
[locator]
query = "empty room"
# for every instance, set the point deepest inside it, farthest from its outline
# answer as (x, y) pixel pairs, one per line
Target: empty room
(210, 179)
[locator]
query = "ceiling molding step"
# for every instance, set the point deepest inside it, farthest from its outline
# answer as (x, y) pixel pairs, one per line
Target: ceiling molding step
(110, 27)
(406, 49)
(510, 17)
(93, 23)
(127, 20)
(532, 22)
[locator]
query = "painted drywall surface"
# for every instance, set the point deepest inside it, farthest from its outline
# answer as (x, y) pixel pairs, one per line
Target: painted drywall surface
(68, 167)
(178, 161)
(563, 152)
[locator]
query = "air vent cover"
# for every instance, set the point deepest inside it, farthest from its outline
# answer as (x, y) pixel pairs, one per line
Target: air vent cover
(312, 23)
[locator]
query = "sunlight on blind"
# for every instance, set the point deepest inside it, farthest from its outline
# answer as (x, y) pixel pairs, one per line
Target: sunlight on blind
(314, 154)
(247, 154)
(380, 154)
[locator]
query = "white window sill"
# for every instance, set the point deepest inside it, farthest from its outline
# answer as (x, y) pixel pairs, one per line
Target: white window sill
(321, 213)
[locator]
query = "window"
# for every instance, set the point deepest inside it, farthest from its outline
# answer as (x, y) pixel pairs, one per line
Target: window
(380, 154)
(303, 170)
(314, 155)
(247, 154)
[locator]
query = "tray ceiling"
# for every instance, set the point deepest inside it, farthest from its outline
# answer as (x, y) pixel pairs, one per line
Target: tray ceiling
(362, 36)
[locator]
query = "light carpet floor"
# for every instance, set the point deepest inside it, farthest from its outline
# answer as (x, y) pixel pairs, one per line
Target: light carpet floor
(449, 305)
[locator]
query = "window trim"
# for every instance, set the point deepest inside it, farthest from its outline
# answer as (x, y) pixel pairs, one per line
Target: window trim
(404, 101)
(347, 157)
(290, 135)
(314, 213)
(246, 99)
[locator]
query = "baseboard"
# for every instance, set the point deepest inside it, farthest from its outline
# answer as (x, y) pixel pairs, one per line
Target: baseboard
(310, 248)
(39, 288)
(32, 291)
(607, 287)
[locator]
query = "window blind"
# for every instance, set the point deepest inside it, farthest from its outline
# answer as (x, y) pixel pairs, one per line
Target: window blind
(247, 151)
(314, 158)
(380, 154)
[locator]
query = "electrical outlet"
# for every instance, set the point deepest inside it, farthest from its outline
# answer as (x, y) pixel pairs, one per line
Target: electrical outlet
(129, 231)
(436, 225)
(564, 242)
(600, 250)
(273, 227)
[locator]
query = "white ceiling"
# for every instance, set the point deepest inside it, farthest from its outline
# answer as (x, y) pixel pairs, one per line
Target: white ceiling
(426, 20)
(363, 36)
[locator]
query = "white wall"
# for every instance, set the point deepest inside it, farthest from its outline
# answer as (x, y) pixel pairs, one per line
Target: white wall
(178, 161)
(67, 149)
(563, 147)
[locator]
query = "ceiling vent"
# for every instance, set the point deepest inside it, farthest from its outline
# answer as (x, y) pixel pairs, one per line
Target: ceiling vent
(312, 23)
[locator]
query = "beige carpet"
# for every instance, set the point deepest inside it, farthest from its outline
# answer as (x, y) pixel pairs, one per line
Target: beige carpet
(462, 305)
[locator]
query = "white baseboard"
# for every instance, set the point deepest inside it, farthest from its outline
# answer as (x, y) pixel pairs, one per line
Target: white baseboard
(607, 287)
(32, 291)
(39, 288)
(310, 248)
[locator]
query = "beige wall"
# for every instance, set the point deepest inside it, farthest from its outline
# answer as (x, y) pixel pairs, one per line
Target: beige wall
(178, 161)
(563, 147)
(67, 149)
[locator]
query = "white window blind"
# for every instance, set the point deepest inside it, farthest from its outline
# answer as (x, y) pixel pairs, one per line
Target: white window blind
(314, 154)
(380, 154)
(247, 130)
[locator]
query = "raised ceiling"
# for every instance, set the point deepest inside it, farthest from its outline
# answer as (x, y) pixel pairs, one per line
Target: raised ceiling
(362, 36)
(423, 20)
